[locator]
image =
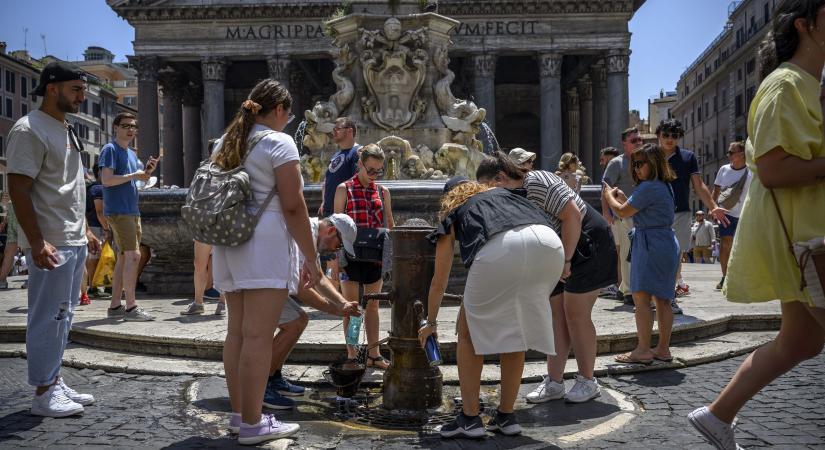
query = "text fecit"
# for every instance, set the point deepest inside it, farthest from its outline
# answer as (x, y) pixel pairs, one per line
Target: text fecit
(511, 27)
(274, 31)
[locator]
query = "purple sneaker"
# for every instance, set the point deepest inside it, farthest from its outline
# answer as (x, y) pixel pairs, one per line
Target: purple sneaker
(234, 423)
(267, 429)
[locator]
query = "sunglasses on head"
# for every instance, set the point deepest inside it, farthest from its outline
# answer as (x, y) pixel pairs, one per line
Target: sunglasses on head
(638, 164)
(671, 135)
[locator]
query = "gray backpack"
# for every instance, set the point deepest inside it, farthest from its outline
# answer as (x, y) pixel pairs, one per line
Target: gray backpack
(215, 210)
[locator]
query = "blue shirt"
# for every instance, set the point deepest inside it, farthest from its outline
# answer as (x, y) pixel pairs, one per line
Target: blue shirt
(342, 167)
(654, 201)
(123, 198)
(684, 164)
(93, 192)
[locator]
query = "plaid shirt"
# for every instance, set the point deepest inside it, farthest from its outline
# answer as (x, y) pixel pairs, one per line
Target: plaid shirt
(364, 204)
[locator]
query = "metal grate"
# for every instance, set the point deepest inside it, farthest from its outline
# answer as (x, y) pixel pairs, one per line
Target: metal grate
(365, 409)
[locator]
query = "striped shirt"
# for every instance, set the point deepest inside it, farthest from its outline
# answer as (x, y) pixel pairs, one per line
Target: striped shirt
(550, 193)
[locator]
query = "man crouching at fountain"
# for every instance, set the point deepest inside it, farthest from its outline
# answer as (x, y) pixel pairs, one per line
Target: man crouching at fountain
(329, 235)
(514, 259)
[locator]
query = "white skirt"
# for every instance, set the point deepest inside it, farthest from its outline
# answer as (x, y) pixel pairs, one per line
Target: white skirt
(268, 260)
(507, 295)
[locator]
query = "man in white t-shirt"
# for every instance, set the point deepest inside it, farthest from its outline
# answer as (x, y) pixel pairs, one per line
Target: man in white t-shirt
(729, 175)
(702, 237)
(329, 234)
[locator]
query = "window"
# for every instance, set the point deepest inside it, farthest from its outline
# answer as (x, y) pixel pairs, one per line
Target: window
(707, 110)
(739, 74)
(24, 109)
(96, 110)
(738, 105)
(687, 90)
(84, 107)
(766, 13)
(715, 149)
(707, 71)
(693, 119)
(724, 144)
(10, 81)
(751, 94)
(129, 100)
(699, 79)
(699, 114)
(9, 107)
(715, 104)
(751, 65)
(724, 98)
(34, 83)
(24, 86)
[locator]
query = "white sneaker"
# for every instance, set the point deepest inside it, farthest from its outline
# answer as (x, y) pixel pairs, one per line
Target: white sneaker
(267, 429)
(83, 399)
(55, 403)
(718, 433)
(584, 390)
(546, 390)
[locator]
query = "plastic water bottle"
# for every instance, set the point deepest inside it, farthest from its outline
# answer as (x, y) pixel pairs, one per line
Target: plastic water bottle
(431, 349)
(354, 331)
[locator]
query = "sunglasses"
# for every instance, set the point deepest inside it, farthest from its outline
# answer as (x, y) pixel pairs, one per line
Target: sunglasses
(73, 139)
(129, 126)
(375, 172)
(675, 135)
(639, 164)
(635, 140)
(732, 153)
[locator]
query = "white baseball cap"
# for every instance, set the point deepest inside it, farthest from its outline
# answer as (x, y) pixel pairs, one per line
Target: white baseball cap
(520, 155)
(346, 228)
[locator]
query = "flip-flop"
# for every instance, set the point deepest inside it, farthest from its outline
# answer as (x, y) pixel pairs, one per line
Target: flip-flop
(627, 359)
(667, 360)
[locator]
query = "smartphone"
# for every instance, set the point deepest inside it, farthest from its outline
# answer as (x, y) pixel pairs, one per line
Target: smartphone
(606, 186)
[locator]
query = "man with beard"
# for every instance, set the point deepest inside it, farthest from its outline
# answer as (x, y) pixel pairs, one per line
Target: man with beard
(48, 192)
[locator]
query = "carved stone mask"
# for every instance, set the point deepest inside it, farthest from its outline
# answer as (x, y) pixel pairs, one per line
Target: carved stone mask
(392, 29)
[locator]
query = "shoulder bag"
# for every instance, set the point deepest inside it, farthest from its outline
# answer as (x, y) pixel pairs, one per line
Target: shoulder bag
(731, 195)
(369, 242)
(810, 259)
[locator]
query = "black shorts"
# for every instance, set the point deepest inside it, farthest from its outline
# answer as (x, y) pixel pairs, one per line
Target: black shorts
(363, 272)
(594, 263)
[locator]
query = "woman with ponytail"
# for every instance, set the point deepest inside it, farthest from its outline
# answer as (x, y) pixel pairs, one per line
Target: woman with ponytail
(785, 151)
(258, 275)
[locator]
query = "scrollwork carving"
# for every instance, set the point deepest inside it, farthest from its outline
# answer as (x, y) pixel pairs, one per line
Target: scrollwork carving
(617, 61)
(214, 69)
(550, 65)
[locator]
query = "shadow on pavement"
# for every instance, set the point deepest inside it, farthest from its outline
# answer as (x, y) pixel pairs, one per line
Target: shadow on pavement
(18, 310)
(19, 421)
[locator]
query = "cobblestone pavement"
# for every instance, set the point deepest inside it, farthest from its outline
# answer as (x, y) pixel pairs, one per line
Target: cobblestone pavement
(156, 412)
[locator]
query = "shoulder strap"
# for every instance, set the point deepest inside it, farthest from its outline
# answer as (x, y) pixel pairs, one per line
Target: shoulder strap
(383, 209)
(253, 141)
(788, 237)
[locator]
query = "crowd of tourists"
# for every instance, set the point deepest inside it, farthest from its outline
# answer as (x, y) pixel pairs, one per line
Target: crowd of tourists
(537, 254)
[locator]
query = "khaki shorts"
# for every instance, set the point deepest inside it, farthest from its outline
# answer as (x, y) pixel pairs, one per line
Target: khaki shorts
(681, 226)
(127, 232)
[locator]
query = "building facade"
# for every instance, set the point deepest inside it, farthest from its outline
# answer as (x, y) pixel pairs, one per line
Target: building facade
(659, 108)
(552, 74)
(17, 79)
(715, 92)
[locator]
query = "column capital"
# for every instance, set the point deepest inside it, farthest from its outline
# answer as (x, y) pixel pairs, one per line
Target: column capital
(550, 65)
(192, 94)
(617, 60)
(278, 67)
(172, 83)
(585, 88)
(573, 98)
(214, 69)
(147, 67)
(599, 75)
(484, 65)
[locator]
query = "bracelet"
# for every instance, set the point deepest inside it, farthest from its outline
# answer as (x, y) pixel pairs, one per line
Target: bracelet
(431, 323)
(567, 261)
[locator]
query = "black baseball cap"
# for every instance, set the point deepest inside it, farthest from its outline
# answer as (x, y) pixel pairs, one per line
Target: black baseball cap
(55, 72)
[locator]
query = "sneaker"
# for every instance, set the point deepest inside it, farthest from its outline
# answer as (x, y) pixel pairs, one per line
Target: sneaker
(584, 390)
(55, 403)
(675, 307)
(137, 314)
(628, 300)
(267, 429)
(546, 390)
(84, 299)
(718, 433)
(220, 309)
(192, 309)
(4, 284)
(609, 292)
(463, 426)
(234, 423)
(25, 285)
(212, 294)
(83, 399)
(116, 313)
(99, 294)
(274, 400)
(682, 291)
(721, 284)
(505, 423)
(280, 385)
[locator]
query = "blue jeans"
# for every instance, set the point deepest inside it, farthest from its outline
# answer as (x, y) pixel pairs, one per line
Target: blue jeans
(53, 296)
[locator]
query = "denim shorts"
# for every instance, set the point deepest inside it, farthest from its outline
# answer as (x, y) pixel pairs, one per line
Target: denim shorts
(729, 230)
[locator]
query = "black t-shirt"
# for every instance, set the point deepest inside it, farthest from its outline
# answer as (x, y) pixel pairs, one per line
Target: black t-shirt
(483, 216)
(342, 167)
(93, 191)
(684, 164)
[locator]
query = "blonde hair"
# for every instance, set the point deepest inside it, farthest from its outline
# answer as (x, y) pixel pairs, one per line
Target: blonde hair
(459, 195)
(264, 97)
(566, 160)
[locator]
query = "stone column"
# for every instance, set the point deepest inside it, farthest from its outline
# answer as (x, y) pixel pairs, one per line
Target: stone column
(192, 147)
(485, 86)
(617, 96)
(586, 146)
(214, 73)
(172, 163)
(599, 78)
(573, 121)
(148, 142)
(279, 69)
(550, 120)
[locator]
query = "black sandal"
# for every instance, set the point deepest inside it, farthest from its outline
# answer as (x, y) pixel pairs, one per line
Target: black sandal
(372, 361)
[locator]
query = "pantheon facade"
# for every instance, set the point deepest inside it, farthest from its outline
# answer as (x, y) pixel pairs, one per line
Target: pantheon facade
(552, 74)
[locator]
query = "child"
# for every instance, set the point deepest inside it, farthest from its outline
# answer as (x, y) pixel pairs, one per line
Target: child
(654, 249)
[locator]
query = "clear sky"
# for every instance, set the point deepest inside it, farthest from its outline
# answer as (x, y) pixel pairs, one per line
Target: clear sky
(667, 35)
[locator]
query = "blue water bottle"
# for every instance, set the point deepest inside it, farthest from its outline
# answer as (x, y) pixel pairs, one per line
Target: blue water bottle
(431, 349)
(353, 331)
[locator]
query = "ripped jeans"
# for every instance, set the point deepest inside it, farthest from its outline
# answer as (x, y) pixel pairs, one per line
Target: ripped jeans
(53, 296)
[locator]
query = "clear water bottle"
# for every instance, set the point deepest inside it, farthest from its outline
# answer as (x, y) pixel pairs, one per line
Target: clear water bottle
(431, 349)
(354, 331)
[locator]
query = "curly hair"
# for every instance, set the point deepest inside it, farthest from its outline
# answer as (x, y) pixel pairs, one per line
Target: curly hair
(781, 42)
(567, 160)
(672, 126)
(655, 157)
(459, 195)
(264, 97)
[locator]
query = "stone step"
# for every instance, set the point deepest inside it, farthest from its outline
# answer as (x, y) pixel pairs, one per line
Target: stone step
(691, 353)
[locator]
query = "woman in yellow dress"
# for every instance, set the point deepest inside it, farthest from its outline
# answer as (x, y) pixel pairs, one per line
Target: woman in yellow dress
(786, 153)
